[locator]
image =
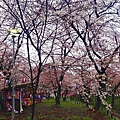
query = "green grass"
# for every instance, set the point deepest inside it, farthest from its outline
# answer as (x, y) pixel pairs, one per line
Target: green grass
(116, 107)
(67, 118)
(69, 104)
(65, 104)
(2, 117)
(28, 118)
(41, 117)
(67, 110)
(78, 118)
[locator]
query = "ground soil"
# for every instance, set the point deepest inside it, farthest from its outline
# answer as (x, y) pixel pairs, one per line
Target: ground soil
(44, 112)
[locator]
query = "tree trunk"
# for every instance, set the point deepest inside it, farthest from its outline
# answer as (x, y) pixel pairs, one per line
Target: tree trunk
(101, 89)
(98, 102)
(113, 94)
(58, 95)
(33, 106)
(113, 100)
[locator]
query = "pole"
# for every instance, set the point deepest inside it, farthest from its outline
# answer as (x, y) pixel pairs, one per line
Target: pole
(13, 33)
(13, 82)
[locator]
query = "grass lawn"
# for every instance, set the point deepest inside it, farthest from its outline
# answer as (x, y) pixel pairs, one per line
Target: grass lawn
(66, 111)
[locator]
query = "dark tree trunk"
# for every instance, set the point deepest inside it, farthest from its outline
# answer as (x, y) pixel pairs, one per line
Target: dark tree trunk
(33, 106)
(65, 94)
(58, 95)
(113, 100)
(59, 89)
(64, 98)
(98, 102)
(113, 94)
(101, 89)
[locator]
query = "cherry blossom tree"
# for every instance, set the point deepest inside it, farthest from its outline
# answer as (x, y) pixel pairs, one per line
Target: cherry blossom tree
(97, 25)
(94, 32)
(75, 35)
(22, 15)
